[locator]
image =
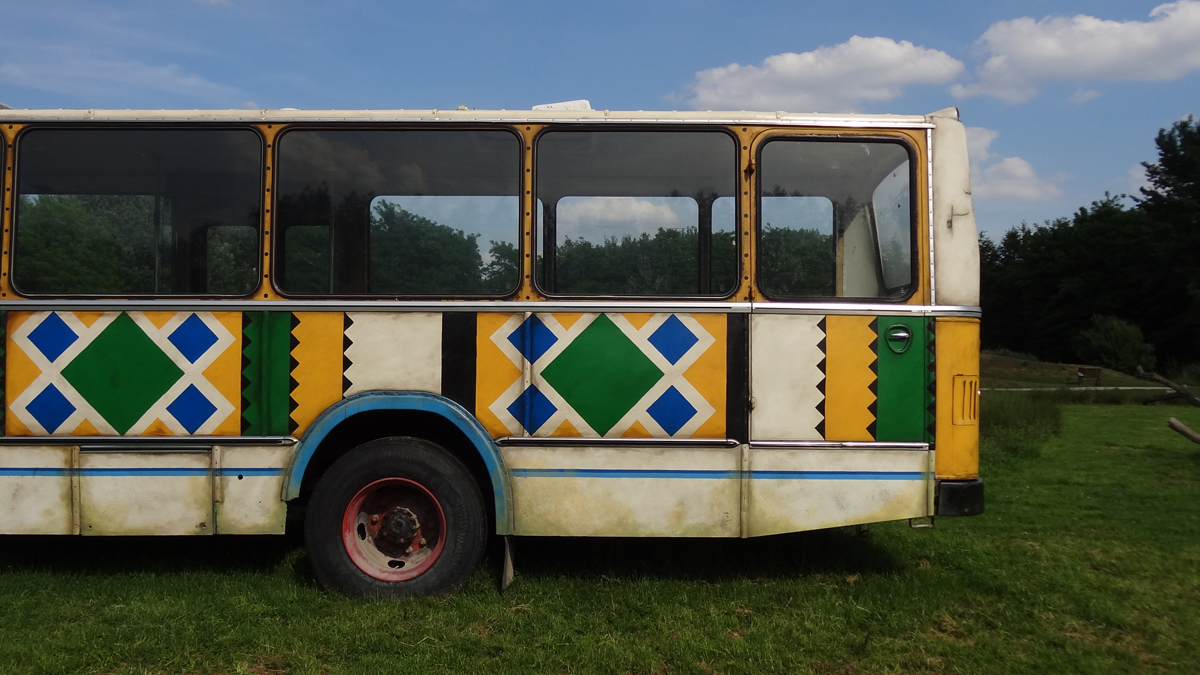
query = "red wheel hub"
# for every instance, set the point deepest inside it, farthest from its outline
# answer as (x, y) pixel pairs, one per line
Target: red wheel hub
(394, 529)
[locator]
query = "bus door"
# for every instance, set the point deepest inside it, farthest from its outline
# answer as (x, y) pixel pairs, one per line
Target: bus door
(841, 368)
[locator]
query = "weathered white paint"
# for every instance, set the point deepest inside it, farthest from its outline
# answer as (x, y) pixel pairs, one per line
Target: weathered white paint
(785, 355)
(36, 504)
(626, 506)
(399, 351)
(251, 504)
(778, 505)
(145, 504)
(955, 240)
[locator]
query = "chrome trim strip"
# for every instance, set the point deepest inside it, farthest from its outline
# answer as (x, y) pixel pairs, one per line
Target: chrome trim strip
(840, 445)
(137, 441)
(929, 182)
(863, 308)
(605, 305)
(469, 117)
(701, 307)
(513, 441)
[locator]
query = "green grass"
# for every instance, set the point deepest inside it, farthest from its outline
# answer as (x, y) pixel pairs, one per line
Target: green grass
(1087, 560)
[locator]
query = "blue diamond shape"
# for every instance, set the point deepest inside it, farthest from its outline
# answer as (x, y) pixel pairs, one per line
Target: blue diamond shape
(191, 408)
(535, 405)
(52, 337)
(50, 408)
(671, 411)
(532, 338)
(192, 338)
(673, 339)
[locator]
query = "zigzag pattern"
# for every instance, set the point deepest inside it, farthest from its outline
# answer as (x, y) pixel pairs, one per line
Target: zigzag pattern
(931, 390)
(873, 408)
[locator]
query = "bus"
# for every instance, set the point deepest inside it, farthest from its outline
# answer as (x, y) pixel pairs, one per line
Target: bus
(431, 328)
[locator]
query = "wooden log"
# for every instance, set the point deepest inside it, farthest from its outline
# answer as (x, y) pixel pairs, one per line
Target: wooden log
(1181, 389)
(1183, 430)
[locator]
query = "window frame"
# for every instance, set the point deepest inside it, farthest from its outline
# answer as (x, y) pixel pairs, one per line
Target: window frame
(123, 126)
(277, 238)
(738, 209)
(914, 218)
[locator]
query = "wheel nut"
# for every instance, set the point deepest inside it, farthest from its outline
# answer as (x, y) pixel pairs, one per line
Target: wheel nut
(422, 541)
(408, 550)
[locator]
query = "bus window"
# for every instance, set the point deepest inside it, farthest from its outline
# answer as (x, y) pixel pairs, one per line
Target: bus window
(398, 213)
(835, 219)
(630, 213)
(137, 212)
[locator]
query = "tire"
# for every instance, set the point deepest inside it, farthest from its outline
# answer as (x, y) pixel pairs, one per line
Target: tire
(396, 517)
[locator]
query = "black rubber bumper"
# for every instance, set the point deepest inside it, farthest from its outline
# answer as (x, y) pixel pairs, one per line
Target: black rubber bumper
(959, 497)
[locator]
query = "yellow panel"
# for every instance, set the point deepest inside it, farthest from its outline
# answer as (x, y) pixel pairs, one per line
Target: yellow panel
(637, 319)
(225, 373)
(636, 430)
(567, 319)
(160, 319)
(20, 372)
(156, 428)
(709, 374)
(957, 446)
(566, 430)
(86, 428)
(494, 372)
(849, 378)
(89, 318)
(318, 371)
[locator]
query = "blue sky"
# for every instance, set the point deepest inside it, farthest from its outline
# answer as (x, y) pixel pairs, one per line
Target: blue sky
(1063, 99)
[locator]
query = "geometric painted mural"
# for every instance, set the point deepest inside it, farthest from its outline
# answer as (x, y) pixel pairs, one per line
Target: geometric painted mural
(123, 373)
(612, 375)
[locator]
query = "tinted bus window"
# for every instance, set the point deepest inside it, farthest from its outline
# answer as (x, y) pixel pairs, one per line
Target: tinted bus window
(627, 213)
(835, 219)
(397, 213)
(138, 212)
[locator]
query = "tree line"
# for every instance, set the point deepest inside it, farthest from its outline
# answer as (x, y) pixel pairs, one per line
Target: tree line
(1117, 284)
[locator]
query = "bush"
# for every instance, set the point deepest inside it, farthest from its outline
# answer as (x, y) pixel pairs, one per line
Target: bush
(1015, 424)
(1115, 344)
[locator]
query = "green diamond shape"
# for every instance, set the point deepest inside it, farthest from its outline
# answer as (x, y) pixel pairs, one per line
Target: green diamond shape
(602, 374)
(122, 373)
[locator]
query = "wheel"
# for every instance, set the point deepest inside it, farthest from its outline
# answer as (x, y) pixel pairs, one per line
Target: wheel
(395, 517)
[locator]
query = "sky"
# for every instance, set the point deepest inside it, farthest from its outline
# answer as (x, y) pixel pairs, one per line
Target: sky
(1062, 100)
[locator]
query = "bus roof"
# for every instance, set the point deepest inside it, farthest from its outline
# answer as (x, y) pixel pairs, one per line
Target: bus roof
(508, 116)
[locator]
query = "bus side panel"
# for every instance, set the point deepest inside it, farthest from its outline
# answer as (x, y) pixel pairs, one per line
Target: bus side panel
(145, 493)
(35, 490)
(838, 378)
(610, 375)
(957, 398)
(626, 492)
(793, 490)
(247, 494)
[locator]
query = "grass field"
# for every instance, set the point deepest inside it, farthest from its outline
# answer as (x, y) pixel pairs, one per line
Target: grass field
(1087, 560)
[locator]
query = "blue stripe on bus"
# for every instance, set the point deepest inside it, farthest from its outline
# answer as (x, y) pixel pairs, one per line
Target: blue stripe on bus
(623, 473)
(758, 475)
(137, 471)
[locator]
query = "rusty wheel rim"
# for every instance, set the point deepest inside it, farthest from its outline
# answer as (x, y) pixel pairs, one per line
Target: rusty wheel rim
(394, 529)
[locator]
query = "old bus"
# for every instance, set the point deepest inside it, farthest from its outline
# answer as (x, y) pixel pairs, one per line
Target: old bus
(431, 327)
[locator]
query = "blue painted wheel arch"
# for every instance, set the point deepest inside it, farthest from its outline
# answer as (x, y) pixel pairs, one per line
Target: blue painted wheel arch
(407, 400)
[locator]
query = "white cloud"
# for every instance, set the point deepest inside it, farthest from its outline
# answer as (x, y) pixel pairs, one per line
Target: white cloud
(1136, 179)
(1022, 54)
(1010, 177)
(90, 76)
(618, 210)
(831, 79)
(978, 141)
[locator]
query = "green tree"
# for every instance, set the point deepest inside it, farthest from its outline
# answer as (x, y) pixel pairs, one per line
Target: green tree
(1116, 344)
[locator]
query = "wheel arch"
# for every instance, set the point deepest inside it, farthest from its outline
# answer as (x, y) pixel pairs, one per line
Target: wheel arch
(360, 412)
